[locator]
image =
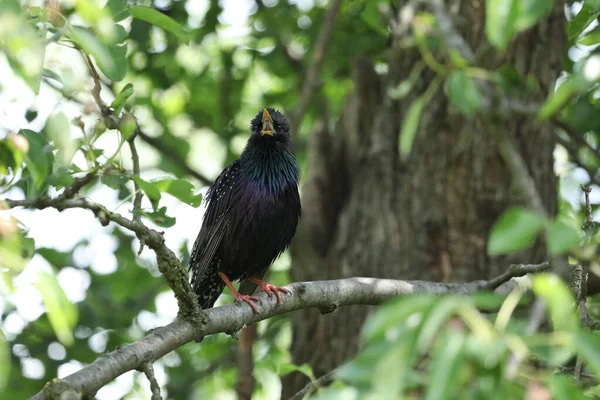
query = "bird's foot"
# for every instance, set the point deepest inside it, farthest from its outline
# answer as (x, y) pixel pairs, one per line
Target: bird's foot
(270, 289)
(246, 299)
(237, 296)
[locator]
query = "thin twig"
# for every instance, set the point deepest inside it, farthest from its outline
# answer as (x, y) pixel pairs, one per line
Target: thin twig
(579, 279)
(148, 370)
(77, 185)
(104, 109)
(570, 370)
(518, 270)
(580, 273)
(311, 80)
(589, 218)
(137, 201)
(313, 385)
(168, 151)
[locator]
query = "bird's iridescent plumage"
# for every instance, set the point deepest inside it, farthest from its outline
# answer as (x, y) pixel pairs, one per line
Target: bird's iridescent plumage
(253, 210)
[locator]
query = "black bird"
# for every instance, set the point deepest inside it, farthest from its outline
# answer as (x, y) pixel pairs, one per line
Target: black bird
(252, 214)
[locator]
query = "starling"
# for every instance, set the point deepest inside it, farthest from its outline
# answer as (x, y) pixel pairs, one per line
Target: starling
(252, 213)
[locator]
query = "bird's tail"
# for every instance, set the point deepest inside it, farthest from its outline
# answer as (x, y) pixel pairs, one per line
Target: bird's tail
(208, 290)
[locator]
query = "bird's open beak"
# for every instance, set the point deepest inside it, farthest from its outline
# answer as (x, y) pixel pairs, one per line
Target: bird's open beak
(267, 122)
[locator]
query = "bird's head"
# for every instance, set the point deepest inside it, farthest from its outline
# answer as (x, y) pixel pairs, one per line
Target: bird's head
(271, 124)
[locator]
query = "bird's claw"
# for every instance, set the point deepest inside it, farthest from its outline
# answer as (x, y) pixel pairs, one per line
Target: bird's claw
(248, 299)
(270, 289)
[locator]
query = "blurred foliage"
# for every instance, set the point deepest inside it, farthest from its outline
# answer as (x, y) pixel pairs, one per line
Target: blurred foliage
(192, 77)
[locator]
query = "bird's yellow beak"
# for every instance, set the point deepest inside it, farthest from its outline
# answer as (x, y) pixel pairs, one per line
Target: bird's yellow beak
(267, 122)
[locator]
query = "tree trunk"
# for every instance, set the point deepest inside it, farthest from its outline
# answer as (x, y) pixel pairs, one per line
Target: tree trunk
(368, 213)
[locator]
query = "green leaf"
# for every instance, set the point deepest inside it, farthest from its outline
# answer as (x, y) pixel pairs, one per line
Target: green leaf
(506, 18)
(285, 369)
(119, 54)
(110, 59)
(51, 75)
(61, 312)
(30, 115)
(61, 180)
(564, 388)
(393, 314)
(410, 125)
(119, 101)
(114, 180)
(22, 44)
(5, 361)
(127, 126)
(582, 20)
(530, 12)
(90, 12)
(591, 38)
(568, 89)
(463, 92)
(117, 9)
(501, 21)
(15, 249)
(373, 17)
(181, 189)
(159, 19)
(58, 129)
(12, 152)
(436, 318)
(561, 237)
(587, 345)
(404, 87)
(515, 230)
(443, 368)
(151, 191)
(559, 299)
(39, 157)
(160, 217)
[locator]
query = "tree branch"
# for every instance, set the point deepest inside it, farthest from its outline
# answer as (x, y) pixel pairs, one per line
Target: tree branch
(167, 262)
(137, 201)
(312, 385)
(311, 80)
(154, 386)
(324, 295)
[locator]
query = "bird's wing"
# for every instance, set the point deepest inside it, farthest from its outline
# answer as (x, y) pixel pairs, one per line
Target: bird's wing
(219, 198)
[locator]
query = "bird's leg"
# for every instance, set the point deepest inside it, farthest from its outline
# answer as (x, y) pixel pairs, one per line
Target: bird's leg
(270, 289)
(237, 296)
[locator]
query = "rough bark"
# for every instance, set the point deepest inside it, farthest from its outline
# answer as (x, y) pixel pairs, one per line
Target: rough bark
(367, 213)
